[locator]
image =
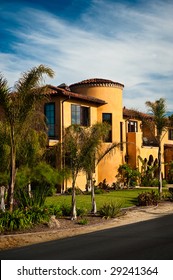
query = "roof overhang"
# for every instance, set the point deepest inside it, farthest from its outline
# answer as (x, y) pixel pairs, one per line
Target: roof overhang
(57, 91)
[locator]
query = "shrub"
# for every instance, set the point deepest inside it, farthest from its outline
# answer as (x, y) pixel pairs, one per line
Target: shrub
(77, 191)
(38, 215)
(34, 199)
(42, 180)
(148, 198)
(83, 221)
(117, 186)
(66, 210)
(170, 195)
(154, 182)
(111, 209)
(55, 210)
(81, 211)
(104, 185)
(23, 218)
(16, 220)
(127, 175)
(99, 191)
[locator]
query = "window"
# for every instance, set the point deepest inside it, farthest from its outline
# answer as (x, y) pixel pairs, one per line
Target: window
(80, 115)
(107, 117)
(49, 111)
(132, 126)
(170, 134)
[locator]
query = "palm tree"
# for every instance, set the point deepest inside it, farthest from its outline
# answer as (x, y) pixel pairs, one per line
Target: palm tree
(18, 107)
(158, 110)
(93, 153)
(83, 149)
(72, 152)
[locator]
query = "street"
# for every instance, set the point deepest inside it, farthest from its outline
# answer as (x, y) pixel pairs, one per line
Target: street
(152, 239)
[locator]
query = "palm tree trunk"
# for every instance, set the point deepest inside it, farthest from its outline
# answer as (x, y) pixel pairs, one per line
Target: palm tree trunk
(93, 201)
(160, 169)
(74, 214)
(13, 172)
(94, 206)
(2, 194)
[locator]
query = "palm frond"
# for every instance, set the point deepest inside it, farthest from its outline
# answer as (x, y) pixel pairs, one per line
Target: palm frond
(5, 98)
(111, 148)
(33, 78)
(158, 110)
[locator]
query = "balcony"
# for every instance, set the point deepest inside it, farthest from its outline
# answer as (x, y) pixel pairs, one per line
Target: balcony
(149, 142)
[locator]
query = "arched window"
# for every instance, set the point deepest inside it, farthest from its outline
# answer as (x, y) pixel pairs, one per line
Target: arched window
(151, 159)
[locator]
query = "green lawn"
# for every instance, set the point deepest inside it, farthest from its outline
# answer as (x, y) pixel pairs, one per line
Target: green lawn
(127, 197)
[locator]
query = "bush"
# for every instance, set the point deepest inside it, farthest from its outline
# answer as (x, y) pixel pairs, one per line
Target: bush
(34, 199)
(148, 198)
(117, 186)
(66, 210)
(170, 195)
(42, 180)
(21, 219)
(147, 182)
(55, 210)
(77, 191)
(83, 221)
(104, 185)
(38, 215)
(81, 211)
(99, 191)
(14, 221)
(111, 209)
(127, 175)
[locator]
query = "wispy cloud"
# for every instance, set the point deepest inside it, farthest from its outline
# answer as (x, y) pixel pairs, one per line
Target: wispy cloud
(129, 44)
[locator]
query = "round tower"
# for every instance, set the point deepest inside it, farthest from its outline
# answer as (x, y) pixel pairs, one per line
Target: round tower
(111, 111)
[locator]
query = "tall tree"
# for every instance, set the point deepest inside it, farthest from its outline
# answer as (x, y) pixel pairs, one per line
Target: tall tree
(84, 150)
(18, 107)
(72, 152)
(93, 152)
(158, 110)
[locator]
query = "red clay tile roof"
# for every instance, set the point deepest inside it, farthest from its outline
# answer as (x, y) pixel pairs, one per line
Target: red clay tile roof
(52, 90)
(168, 146)
(97, 82)
(130, 113)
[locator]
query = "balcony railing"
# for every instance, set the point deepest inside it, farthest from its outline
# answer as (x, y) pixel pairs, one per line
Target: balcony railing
(149, 142)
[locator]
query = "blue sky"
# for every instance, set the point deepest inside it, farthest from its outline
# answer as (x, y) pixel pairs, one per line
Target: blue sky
(130, 42)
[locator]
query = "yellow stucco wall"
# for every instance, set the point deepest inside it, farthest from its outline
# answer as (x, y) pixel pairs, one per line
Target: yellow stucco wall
(112, 95)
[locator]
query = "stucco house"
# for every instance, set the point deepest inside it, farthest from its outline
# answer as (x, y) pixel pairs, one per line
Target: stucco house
(99, 100)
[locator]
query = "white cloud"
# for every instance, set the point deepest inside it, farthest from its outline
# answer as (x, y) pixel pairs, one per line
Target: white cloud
(114, 41)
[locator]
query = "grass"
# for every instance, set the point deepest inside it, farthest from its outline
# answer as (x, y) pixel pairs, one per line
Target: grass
(127, 197)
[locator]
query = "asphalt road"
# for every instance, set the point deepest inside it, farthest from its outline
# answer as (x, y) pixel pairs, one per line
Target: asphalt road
(148, 240)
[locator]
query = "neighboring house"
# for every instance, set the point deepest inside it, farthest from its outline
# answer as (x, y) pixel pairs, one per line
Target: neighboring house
(99, 100)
